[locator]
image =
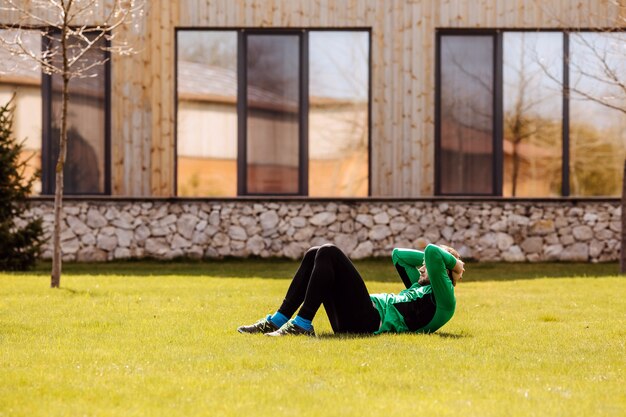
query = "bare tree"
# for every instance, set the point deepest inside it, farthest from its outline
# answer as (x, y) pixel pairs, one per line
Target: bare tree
(71, 29)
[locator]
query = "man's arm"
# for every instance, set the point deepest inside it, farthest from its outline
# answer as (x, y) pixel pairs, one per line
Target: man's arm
(438, 261)
(406, 262)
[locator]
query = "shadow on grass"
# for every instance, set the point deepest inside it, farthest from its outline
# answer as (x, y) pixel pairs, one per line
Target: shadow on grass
(445, 335)
(75, 292)
(378, 270)
(343, 336)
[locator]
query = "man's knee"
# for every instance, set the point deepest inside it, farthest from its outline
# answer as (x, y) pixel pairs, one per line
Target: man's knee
(328, 249)
(312, 251)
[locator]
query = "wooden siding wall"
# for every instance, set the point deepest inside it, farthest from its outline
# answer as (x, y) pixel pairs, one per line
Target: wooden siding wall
(403, 78)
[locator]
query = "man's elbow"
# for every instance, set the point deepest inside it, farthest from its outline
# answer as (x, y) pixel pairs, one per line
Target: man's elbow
(431, 249)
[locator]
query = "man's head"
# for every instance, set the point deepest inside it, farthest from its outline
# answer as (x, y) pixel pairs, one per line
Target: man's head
(424, 280)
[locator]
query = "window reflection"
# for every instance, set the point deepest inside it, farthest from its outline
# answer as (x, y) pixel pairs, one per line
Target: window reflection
(338, 114)
(597, 126)
(466, 115)
(207, 113)
(273, 114)
(84, 172)
(532, 100)
(22, 76)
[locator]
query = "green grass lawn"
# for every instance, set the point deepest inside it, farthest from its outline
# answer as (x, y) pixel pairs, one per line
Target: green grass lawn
(159, 339)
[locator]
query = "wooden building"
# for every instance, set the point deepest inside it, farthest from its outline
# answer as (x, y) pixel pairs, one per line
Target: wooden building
(421, 114)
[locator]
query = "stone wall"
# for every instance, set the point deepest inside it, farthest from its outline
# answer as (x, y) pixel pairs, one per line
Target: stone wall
(507, 230)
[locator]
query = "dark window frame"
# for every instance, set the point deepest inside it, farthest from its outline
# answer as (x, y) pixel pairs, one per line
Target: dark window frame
(497, 34)
(242, 109)
(497, 128)
(47, 163)
(304, 102)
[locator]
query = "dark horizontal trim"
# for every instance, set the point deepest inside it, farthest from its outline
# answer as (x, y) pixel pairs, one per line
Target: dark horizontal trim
(344, 200)
(485, 30)
(277, 28)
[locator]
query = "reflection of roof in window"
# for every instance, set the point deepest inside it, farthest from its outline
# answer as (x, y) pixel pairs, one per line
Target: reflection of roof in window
(20, 70)
(202, 82)
(23, 71)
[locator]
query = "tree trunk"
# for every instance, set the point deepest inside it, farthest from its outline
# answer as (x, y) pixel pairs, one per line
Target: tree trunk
(623, 249)
(55, 280)
(515, 158)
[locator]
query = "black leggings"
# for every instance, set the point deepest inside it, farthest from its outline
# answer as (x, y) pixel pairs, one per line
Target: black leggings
(326, 276)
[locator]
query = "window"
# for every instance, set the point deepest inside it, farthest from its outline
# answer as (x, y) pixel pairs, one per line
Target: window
(273, 109)
(532, 114)
(466, 115)
(272, 112)
(38, 114)
(506, 126)
(597, 130)
(338, 114)
(207, 113)
(22, 77)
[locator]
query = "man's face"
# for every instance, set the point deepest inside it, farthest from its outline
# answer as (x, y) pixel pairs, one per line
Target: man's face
(423, 280)
(423, 271)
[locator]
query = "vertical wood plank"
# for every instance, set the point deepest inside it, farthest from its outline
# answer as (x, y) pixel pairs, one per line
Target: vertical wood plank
(291, 17)
(248, 13)
(444, 13)
(156, 149)
(378, 104)
(278, 17)
(399, 137)
(406, 137)
(323, 13)
(427, 104)
(414, 57)
(167, 96)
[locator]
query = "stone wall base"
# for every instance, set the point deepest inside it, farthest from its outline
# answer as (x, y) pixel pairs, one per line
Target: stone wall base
(100, 230)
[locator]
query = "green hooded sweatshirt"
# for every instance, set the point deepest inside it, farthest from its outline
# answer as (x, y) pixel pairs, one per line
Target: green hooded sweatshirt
(421, 309)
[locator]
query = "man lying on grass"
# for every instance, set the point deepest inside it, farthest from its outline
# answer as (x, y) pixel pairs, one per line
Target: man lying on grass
(326, 276)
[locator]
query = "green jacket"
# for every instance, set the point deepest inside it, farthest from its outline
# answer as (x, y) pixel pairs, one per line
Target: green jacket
(421, 309)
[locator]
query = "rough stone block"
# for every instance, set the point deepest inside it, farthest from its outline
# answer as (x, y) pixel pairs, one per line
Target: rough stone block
(577, 252)
(582, 233)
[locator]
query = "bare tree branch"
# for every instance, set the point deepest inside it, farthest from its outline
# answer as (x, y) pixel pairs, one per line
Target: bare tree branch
(604, 62)
(80, 10)
(591, 97)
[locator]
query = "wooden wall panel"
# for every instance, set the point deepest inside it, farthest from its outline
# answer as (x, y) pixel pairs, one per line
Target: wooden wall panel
(403, 74)
(421, 117)
(131, 130)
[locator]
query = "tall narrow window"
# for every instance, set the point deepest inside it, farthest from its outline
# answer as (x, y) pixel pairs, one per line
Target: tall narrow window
(86, 169)
(273, 114)
(22, 76)
(597, 125)
(207, 113)
(466, 108)
(532, 100)
(338, 113)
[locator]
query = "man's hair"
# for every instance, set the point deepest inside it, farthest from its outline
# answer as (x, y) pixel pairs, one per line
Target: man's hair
(454, 253)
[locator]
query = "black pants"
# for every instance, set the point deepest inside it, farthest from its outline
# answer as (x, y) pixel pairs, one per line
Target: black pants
(326, 276)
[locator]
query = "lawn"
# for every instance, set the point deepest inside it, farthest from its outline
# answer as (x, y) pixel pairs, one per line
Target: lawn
(159, 339)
